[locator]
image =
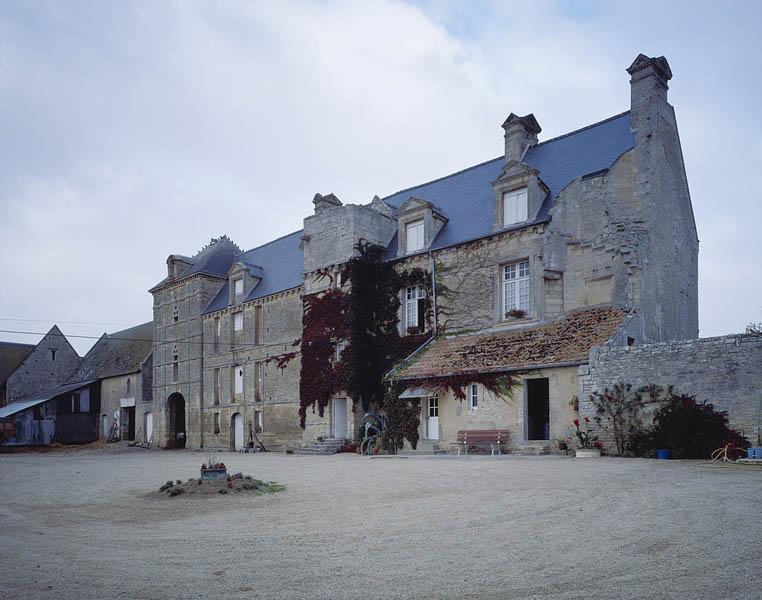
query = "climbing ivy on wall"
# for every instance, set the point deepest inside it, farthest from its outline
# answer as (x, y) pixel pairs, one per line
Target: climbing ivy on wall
(364, 316)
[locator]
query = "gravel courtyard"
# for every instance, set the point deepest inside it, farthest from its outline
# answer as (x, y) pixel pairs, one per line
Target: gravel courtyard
(80, 525)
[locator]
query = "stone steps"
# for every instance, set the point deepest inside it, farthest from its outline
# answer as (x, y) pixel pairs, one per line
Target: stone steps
(531, 450)
(326, 446)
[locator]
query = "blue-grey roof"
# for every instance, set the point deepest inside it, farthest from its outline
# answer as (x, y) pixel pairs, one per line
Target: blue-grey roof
(280, 263)
(467, 197)
(215, 259)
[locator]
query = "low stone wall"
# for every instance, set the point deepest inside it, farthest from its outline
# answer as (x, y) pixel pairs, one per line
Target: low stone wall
(726, 371)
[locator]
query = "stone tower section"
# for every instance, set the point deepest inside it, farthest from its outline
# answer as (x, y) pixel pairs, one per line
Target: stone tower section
(331, 234)
(669, 303)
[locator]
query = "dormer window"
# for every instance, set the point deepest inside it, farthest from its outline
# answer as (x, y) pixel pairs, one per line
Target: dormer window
(238, 287)
(514, 206)
(414, 236)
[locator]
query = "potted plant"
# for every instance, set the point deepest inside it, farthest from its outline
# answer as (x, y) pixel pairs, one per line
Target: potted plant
(213, 469)
(589, 446)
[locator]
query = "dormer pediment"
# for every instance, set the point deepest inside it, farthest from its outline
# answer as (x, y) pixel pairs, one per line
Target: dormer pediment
(243, 277)
(418, 223)
(513, 170)
(519, 195)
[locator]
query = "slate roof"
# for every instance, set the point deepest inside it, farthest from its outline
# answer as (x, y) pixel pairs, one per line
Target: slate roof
(215, 259)
(466, 197)
(280, 262)
(11, 357)
(565, 341)
(115, 354)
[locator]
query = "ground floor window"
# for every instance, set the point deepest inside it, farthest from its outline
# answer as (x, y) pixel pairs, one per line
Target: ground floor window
(216, 422)
(473, 396)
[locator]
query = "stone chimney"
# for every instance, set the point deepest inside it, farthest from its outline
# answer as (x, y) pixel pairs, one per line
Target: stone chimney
(520, 133)
(328, 201)
(648, 90)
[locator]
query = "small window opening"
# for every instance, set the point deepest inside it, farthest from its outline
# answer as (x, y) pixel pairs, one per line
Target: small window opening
(473, 396)
(53, 354)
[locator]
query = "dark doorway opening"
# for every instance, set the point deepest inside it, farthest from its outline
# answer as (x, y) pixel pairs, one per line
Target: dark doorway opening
(176, 406)
(128, 423)
(538, 409)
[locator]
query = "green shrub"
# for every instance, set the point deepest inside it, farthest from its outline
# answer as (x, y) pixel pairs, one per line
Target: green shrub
(691, 429)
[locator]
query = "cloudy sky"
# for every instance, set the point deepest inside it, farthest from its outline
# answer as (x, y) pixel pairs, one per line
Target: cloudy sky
(132, 130)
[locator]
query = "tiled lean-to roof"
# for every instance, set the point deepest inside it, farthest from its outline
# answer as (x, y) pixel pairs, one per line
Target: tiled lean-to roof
(565, 341)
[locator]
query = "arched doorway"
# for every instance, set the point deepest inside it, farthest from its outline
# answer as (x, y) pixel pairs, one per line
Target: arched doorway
(236, 425)
(176, 433)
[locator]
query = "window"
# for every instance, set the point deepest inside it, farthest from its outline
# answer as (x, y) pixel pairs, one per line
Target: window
(216, 387)
(216, 422)
(259, 382)
(473, 396)
(128, 385)
(175, 372)
(515, 207)
(258, 324)
(415, 309)
(516, 295)
(340, 347)
(258, 421)
(238, 287)
(238, 321)
(53, 354)
(175, 315)
(238, 373)
(216, 334)
(414, 236)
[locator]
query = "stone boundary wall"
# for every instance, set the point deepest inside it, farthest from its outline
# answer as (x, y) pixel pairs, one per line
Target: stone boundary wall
(725, 371)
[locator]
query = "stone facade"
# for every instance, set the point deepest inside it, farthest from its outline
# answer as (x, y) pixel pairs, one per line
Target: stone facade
(725, 371)
(622, 235)
(51, 363)
(178, 358)
(265, 396)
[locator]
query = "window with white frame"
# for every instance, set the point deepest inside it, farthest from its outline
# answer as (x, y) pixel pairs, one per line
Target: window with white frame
(238, 379)
(415, 308)
(516, 296)
(515, 207)
(238, 321)
(340, 347)
(238, 287)
(473, 396)
(414, 236)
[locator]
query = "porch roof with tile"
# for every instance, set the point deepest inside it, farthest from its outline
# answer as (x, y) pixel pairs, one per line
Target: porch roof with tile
(566, 341)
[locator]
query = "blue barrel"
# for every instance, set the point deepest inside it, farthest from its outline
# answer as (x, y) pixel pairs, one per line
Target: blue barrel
(664, 454)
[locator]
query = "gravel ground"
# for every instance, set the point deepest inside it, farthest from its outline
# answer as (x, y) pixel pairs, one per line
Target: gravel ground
(82, 525)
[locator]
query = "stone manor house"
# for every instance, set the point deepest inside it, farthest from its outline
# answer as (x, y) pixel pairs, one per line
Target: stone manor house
(570, 263)
(552, 249)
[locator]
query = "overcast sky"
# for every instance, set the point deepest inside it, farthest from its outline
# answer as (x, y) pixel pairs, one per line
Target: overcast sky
(132, 130)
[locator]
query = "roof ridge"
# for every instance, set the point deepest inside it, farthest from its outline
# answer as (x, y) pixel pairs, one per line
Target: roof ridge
(443, 177)
(270, 242)
(581, 129)
(481, 164)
